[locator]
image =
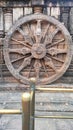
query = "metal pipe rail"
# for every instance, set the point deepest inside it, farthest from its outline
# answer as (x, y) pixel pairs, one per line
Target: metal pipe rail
(10, 111)
(55, 90)
(55, 117)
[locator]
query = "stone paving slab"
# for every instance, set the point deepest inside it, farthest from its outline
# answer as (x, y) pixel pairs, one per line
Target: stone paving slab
(14, 123)
(44, 103)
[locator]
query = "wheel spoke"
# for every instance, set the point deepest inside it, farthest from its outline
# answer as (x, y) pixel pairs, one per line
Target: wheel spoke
(30, 69)
(44, 66)
(48, 39)
(55, 43)
(25, 63)
(56, 51)
(55, 32)
(49, 62)
(23, 43)
(38, 31)
(38, 28)
(30, 32)
(37, 66)
(57, 59)
(45, 33)
(22, 51)
(46, 30)
(26, 37)
(18, 59)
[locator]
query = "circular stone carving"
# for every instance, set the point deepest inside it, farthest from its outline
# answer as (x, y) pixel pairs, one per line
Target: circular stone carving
(37, 46)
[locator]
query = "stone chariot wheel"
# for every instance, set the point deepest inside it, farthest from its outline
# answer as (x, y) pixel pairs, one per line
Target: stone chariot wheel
(37, 46)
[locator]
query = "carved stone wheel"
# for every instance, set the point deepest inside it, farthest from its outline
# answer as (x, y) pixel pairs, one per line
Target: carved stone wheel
(37, 46)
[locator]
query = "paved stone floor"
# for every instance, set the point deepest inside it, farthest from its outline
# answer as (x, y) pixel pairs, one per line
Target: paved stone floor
(45, 102)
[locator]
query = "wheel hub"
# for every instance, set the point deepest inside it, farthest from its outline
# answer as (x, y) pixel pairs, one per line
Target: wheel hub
(38, 51)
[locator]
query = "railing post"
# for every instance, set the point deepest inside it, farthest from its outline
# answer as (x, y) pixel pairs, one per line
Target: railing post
(26, 111)
(32, 102)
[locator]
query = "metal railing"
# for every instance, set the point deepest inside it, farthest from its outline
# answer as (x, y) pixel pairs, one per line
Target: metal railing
(28, 106)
